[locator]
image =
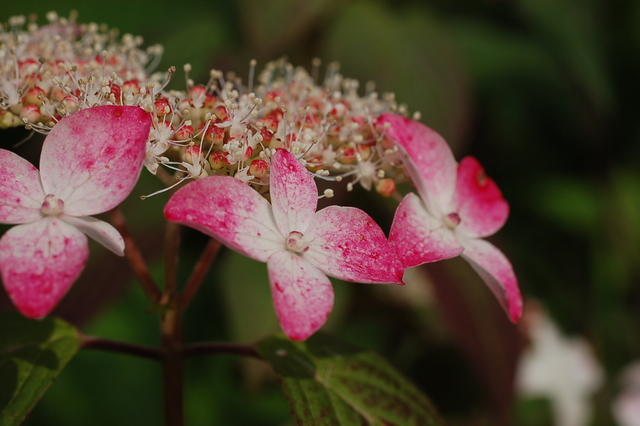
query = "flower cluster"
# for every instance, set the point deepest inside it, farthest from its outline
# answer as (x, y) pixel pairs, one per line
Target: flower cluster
(243, 145)
(50, 71)
(222, 127)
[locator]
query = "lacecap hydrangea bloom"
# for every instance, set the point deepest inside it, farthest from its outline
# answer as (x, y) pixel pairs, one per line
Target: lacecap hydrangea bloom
(228, 128)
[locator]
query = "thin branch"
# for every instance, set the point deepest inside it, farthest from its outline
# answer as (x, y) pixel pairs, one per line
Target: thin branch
(98, 343)
(199, 272)
(216, 348)
(134, 256)
(171, 330)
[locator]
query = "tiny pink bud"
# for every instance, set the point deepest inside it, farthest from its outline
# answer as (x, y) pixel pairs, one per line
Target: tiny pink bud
(70, 103)
(218, 160)
(214, 134)
(192, 154)
(131, 87)
(31, 112)
(34, 96)
(221, 113)
(248, 153)
(267, 136)
(259, 168)
(386, 187)
(162, 107)
(184, 133)
(346, 155)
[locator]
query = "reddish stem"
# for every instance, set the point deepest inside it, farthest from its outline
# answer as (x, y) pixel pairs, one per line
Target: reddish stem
(134, 256)
(199, 272)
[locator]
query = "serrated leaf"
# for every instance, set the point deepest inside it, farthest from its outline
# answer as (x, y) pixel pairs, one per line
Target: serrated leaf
(32, 355)
(329, 382)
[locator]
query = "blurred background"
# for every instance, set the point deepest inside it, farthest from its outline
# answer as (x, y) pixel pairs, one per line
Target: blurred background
(543, 92)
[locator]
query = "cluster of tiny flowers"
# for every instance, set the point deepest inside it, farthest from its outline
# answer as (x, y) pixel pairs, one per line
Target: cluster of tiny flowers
(223, 127)
(228, 128)
(50, 71)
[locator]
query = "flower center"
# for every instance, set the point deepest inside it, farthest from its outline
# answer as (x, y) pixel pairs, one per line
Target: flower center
(52, 205)
(296, 242)
(452, 220)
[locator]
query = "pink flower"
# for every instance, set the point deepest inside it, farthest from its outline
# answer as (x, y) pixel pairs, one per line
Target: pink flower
(90, 162)
(458, 206)
(298, 244)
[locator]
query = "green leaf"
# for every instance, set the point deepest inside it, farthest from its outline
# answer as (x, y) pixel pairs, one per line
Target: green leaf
(32, 354)
(329, 382)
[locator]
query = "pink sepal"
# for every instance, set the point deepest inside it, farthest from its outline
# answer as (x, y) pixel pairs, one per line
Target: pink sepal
(496, 271)
(21, 193)
(302, 294)
(478, 201)
(99, 230)
(294, 195)
(430, 162)
(230, 211)
(420, 238)
(344, 242)
(39, 261)
(93, 168)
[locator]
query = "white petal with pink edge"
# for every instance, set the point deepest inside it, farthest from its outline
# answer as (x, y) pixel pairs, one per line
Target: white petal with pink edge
(431, 164)
(346, 243)
(99, 230)
(21, 193)
(230, 211)
(294, 194)
(496, 271)
(39, 261)
(302, 294)
(479, 202)
(418, 237)
(92, 159)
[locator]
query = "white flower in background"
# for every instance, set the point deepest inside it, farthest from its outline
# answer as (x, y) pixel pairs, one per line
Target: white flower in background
(626, 406)
(562, 369)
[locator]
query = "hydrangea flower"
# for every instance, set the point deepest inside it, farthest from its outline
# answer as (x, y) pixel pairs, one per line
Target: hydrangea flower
(458, 205)
(299, 245)
(90, 162)
(626, 405)
(560, 368)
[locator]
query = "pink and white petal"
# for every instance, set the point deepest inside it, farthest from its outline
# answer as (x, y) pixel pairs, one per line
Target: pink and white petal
(92, 159)
(478, 201)
(99, 230)
(230, 211)
(420, 238)
(345, 243)
(39, 262)
(294, 194)
(430, 165)
(21, 193)
(302, 294)
(496, 271)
